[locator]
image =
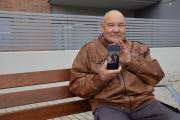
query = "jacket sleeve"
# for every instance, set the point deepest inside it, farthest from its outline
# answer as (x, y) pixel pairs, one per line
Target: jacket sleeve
(82, 80)
(146, 68)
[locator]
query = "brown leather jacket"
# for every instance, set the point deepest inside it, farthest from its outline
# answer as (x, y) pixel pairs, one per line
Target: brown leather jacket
(132, 87)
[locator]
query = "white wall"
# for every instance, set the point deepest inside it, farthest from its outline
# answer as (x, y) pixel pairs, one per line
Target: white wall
(18, 62)
(168, 58)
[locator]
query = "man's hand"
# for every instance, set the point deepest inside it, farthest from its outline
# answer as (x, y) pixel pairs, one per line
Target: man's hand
(108, 75)
(125, 56)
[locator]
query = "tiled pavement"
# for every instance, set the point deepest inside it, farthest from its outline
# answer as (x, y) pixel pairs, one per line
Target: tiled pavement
(161, 94)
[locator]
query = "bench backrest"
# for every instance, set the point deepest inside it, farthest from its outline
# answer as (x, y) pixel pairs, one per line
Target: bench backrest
(39, 95)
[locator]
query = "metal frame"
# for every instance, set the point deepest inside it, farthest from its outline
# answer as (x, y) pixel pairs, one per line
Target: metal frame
(38, 31)
(172, 90)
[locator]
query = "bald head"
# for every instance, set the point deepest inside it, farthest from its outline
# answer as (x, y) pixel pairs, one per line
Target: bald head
(113, 26)
(111, 14)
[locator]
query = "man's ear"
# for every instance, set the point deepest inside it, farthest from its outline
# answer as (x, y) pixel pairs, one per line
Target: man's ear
(125, 27)
(102, 27)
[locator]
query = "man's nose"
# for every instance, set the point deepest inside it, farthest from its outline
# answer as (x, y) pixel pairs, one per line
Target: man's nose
(116, 29)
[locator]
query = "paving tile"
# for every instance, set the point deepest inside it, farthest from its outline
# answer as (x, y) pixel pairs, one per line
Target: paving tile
(77, 98)
(57, 118)
(27, 106)
(71, 116)
(83, 114)
(50, 102)
(65, 118)
(88, 117)
(2, 111)
(55, 102)
(39, 104)
(22, 107)
(9, 109)
(89, 113)
(74, 119)
(44, 103)
(69, 99)
(60, 101)
(79, 116)
(15, 108)
(33, 105)
(65, 100)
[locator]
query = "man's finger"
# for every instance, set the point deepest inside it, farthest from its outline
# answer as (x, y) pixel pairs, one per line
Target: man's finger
(104, 65)
(118, 70)
(116, 43)
(122, 45)
(129, 46)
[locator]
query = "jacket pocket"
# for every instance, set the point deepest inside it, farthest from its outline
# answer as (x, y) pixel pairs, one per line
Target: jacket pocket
(98, 59)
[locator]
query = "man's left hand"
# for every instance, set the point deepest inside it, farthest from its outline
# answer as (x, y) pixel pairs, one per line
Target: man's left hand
(125, 56)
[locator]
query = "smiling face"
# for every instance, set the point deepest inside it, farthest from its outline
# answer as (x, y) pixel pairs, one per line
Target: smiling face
(113, 26)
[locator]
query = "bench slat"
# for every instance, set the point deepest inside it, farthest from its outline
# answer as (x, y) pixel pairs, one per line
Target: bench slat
(47, 112)
(34, 96)
(34, 78)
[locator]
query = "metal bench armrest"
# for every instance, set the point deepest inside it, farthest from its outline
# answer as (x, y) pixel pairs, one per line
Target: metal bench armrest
(172, 90)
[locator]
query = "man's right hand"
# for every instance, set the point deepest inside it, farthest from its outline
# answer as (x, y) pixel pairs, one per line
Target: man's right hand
(108, 75)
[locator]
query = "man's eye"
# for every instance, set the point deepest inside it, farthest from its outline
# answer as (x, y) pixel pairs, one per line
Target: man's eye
(121, 25)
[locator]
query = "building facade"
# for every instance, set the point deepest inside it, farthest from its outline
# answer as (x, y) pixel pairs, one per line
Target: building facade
(34, 6)
(155, 9)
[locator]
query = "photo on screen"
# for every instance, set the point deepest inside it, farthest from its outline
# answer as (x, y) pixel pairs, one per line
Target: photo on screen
(113, 57)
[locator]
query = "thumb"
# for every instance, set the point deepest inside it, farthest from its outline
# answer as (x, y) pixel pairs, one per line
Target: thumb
(118, 70)
(129, 46)
(104, 65)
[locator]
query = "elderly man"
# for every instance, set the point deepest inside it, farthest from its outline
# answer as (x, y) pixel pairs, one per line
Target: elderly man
(125, 93)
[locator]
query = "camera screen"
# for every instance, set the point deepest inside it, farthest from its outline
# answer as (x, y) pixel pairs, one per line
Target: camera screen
(113, 57)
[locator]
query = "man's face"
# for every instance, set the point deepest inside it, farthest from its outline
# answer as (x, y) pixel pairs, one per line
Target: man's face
(114, 27)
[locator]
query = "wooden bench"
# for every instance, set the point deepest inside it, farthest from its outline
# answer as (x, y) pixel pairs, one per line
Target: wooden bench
(39, 95)
(43, 95)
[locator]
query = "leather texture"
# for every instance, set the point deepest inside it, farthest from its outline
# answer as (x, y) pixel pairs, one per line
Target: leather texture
(130, 89)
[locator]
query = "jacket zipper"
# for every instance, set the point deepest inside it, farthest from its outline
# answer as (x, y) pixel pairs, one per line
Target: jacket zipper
(124, 84)
(125, 90)
(130, 103)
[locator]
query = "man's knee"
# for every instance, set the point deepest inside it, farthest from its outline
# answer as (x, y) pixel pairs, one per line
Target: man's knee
(107, 113)
(175, 118)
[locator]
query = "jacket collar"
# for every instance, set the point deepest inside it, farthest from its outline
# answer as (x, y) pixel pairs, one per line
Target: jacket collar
(105, 42)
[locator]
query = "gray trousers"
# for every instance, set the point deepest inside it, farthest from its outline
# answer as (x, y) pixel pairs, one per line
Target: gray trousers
(151, 111)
